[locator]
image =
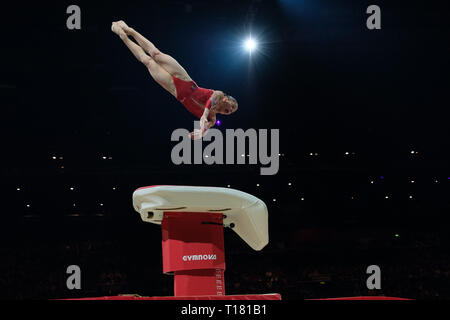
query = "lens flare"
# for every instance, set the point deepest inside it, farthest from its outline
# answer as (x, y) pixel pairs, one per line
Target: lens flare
(250, 44)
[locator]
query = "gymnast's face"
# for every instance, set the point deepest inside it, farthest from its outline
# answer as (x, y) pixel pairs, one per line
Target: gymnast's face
(227, 105)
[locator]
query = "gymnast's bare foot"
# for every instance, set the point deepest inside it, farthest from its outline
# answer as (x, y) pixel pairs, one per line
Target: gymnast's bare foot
(118, 30)
(124, 27)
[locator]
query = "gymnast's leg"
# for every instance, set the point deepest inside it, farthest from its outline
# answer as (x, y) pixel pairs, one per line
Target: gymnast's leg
(164, 60)
(158, 73)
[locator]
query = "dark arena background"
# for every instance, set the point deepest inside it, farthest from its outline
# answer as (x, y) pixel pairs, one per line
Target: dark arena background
(364, 152)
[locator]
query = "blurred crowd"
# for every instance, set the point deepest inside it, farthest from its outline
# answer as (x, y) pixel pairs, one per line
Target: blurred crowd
(38, 270)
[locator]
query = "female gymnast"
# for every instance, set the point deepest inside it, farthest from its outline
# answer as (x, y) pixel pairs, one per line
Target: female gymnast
(203, 103)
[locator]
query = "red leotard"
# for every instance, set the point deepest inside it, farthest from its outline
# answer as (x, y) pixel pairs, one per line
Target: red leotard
(193, 97)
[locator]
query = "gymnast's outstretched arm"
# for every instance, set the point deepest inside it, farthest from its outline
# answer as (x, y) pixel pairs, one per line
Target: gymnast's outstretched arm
(208, 119)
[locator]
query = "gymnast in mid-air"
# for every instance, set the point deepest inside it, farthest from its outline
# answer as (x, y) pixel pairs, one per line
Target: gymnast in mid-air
(203, 103)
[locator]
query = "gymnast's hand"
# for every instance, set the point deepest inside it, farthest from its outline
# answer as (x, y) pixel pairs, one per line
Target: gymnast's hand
(197, 134)
(205, 124)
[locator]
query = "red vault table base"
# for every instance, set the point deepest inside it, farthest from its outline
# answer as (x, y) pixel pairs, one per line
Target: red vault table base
(199, 282)
(193, 251)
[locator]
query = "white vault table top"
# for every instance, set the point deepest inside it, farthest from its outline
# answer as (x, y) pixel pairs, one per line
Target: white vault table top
(247, 213)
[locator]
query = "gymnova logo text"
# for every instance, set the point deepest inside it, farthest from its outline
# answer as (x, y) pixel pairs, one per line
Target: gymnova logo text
(198, 257)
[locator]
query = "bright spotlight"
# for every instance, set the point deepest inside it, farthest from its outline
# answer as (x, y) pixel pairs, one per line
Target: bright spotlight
(250, 44)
